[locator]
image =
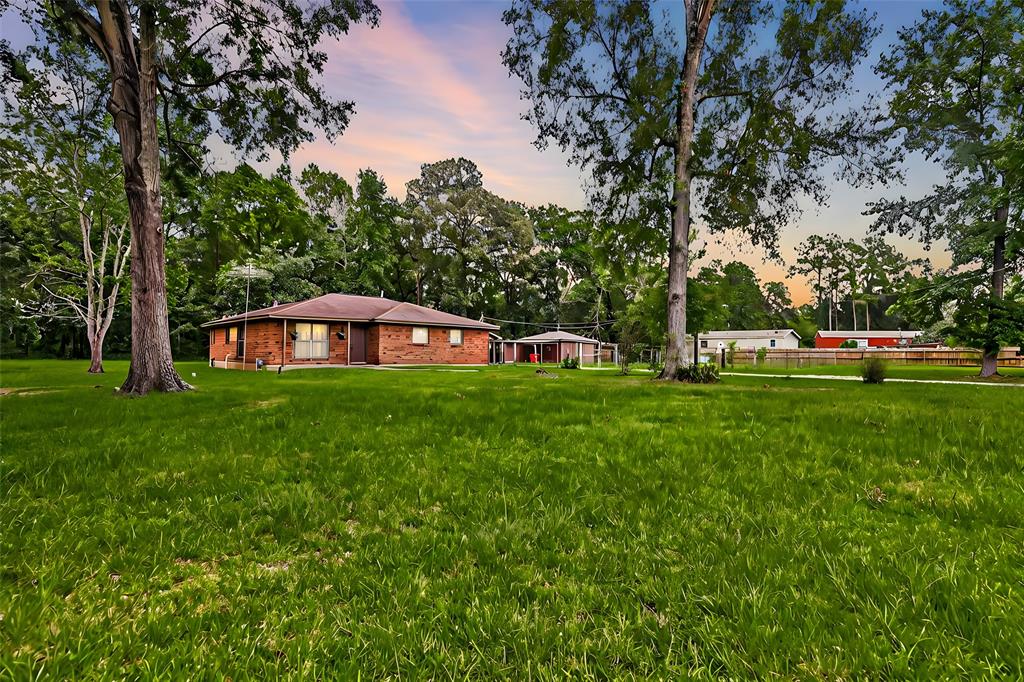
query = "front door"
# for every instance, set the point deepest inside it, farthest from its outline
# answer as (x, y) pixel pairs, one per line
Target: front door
(357, 344)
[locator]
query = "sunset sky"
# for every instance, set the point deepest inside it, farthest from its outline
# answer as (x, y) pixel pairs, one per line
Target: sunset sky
(428, 84)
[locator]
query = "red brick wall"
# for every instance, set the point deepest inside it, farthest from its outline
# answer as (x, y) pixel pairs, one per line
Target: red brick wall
(373, 344)
(392, 345)
(337, 350)
(264, 343)
(219, 350)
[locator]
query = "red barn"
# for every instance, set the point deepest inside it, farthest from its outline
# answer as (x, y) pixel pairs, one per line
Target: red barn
(340, 330)
(872, 339)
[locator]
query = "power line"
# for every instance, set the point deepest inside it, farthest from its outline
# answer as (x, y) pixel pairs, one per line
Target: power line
(554, 325)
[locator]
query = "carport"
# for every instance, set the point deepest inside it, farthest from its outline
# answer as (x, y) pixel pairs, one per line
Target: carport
(553, 347)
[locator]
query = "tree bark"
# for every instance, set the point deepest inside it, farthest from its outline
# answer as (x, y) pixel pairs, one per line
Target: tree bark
(133, 105)
(96, 355)
(990, 364)
(990, 360)
(698, 18)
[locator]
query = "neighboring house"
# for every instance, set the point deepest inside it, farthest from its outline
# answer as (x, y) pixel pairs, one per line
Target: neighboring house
(872, 339)
(555, 347)
(747, 339)
(340, 329)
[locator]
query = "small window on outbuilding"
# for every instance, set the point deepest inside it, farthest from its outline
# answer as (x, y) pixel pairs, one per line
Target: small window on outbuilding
(455, 337)
(703, 343)
(772, 343)
(420, 335)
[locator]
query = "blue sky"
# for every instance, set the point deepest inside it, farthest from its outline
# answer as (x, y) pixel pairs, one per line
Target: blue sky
(429, 84)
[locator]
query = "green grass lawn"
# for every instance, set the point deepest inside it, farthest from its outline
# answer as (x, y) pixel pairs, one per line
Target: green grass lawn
(1007, 374)
(427, 524)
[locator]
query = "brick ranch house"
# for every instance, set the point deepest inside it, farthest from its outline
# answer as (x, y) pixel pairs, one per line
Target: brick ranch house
(340, 330)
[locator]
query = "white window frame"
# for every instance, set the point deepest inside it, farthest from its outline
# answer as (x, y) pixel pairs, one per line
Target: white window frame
(425, 331)
(451, 337)
(312, 341)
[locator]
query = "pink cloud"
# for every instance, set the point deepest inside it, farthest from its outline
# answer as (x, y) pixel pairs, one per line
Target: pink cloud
(422, 97)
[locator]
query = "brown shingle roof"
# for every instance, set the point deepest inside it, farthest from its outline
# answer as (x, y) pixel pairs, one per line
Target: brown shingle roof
(356, 309)
(552, 337)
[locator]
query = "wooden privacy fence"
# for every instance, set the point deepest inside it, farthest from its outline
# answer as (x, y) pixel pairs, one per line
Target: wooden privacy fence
(814, 357)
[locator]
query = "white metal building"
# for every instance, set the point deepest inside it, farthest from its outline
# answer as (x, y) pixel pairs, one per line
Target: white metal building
(747, 338)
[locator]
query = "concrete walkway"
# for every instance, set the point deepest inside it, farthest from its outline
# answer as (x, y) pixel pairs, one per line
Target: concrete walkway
(835, 377)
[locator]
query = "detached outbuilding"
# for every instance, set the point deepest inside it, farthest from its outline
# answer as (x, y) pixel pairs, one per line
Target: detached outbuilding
(553, 347)
(337, 330)
(747, 339)
(872, 339)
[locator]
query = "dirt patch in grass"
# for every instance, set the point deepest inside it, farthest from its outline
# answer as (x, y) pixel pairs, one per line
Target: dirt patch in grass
(997, 379)
(27, 391)
(266, 404)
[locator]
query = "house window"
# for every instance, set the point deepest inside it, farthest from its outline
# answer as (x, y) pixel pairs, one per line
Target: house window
(420, 335)
(311, 341)
(227, 334)
(772, 343)
(704, 343)
(455, 337)
(240, 341)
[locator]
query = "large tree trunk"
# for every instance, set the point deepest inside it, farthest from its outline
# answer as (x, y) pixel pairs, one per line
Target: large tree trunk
(698, 18)
(96, 355)
(133, 104)
(990, 364)
(990, 360)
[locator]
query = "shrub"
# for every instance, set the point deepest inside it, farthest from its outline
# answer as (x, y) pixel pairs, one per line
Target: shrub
(873, 370)
(762, 353)
(699, 373)
(849, 343)
(570, 363)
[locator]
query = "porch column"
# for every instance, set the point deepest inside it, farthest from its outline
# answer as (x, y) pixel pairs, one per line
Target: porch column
(284, 342)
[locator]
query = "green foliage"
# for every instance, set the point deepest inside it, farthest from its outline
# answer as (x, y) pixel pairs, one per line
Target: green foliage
(249, 71)
(699, 373)
(958, 90)
(947, 303)
(866, 275)
(849, 343)
(762, 354)
(873, 370)
(63, 204)
(570, 362)
(603, 84)
(802, 321)
(631, 331)
(464, 236)
(243, 212)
